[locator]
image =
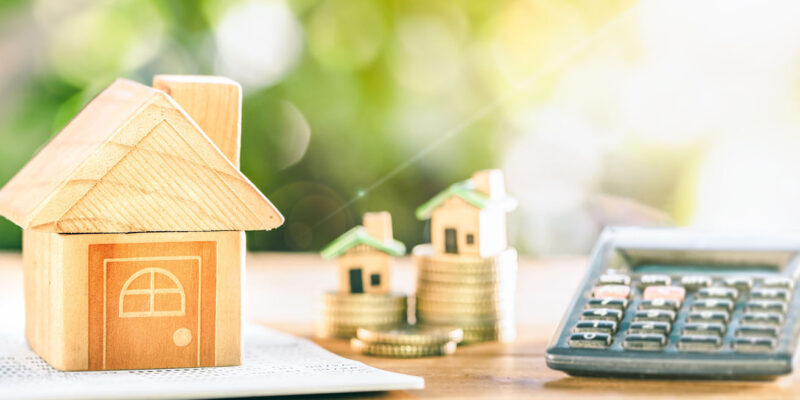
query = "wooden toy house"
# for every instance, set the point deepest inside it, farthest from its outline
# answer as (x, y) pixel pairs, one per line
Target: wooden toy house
(133, 219)
(469, 217)
(364, 254)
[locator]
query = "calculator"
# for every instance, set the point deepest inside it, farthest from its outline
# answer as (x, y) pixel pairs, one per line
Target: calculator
(669, 302)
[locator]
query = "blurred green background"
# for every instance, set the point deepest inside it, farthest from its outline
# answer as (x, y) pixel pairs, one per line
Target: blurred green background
(600, 112)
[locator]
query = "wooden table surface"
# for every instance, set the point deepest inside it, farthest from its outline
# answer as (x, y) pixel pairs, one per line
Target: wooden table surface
(280, 291)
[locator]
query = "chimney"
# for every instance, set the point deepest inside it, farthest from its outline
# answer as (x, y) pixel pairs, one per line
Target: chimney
(489, 182)
(379, 225)
(213, 102)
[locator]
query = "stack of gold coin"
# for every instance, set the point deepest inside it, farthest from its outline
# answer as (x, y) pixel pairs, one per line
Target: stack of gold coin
(340, 314)
(473, 293)
(407, 342)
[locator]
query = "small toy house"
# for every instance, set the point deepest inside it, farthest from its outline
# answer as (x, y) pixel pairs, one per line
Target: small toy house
(364, 255)
(469, 217)
(132, 222)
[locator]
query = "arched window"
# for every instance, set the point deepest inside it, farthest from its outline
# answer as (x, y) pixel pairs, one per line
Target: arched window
(152, 292)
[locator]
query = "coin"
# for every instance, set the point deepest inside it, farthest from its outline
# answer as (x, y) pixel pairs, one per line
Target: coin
(362, 320)
(425, 258)
(340, 314)
(467, 279)
(363, 299)
(411, 335)
(402, 350)
(469, 292)
(463, 307)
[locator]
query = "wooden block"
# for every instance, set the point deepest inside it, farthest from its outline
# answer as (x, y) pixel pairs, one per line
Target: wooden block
(378, 225)
(213, 102)
(469, 218)
(456, 228)
(364, 269)
(134, 161)
(155, 300)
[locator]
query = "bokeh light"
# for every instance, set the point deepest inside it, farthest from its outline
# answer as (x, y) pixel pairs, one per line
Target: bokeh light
(258, 42)
(614, 112)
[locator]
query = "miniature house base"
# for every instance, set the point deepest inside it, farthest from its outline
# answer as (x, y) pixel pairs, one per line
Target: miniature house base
(131, 301)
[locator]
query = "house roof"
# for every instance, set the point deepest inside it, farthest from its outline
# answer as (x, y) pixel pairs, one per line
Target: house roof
(134, 161)
(358, 235)
(466, 191)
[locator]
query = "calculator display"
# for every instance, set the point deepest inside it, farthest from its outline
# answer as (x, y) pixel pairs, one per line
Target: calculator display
(708, 262)
(672, 302)
(705, 269)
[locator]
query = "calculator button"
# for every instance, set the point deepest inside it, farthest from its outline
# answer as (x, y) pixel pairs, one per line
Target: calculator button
(717, 293)
(739, 282)
(676, 293)
(661, 328)
(699, 342)
(660, 304)
(761, 318)
(592, 340)
(608, 302)
(699, 328)
(655, 280)
(695, 281)
(712, 305)
(770, 294)
(784, 283)
(766, 306)
(753, 344)
(595, 326)
(644, 341)
(614, 279)
(757, 331)
(708, 316)
(602, 314)
(612, 291)
(654, 315)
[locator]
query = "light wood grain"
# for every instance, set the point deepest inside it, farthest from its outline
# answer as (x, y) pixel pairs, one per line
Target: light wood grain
(370, 261)
(134, 161)
(280, 290)
(62, 272)
(213, 102)
(478, 231)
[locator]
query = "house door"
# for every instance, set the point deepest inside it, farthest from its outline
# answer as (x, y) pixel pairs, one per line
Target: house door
(153, 312)
(356, 280)
(450, 241)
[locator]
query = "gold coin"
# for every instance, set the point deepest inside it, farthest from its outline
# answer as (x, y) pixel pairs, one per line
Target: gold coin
(459, 307)
(355, 311)
(424, 256)
(470, 279)
(444, 289)
(363, 299)
(466, 285)
(478, 302)
(456, 269)
(362, 320)
(461, 320)
(401, 350)
(504, 331)
(463, 298)
(410, 335)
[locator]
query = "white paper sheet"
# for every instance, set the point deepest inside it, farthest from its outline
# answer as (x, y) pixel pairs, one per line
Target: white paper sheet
(274, 364)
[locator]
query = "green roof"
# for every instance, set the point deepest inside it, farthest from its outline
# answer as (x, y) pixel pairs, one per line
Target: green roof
(359, 235)
(465, 190)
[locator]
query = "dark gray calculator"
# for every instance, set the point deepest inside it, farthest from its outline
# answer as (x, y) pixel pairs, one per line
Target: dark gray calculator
(681, 303)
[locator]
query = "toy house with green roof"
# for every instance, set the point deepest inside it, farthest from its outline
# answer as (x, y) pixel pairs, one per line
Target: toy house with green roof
(364, 254)
(469, 217)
